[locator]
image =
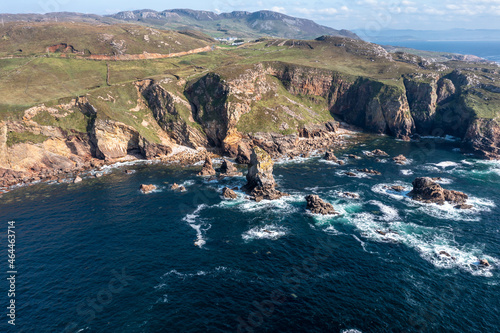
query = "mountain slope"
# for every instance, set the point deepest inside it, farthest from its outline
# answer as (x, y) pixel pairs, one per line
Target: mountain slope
(238, 23)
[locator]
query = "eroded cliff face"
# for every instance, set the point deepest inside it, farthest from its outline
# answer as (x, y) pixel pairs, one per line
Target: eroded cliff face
(483, 138)
(232, 109)
(165, 108)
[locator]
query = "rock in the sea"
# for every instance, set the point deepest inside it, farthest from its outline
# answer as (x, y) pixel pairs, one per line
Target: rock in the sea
(244, 154)
(484, 263)
(400, 159)
(228, 169)
(318, 206)
(356, 157)
(147, 188)
(464, 206)
(260, 181)
(182, 188)
(350, 195)
(368, 171)
(378, 152)
(350, 174)
(329, 156)
(208, 168)
(444, 253)
(228, 193)
(174, 187)
(426, 190)
(98, 175)
(78, 179)
(129, 172)
(396, 188)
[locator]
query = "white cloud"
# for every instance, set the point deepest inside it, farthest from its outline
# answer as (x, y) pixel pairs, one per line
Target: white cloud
(278, 9)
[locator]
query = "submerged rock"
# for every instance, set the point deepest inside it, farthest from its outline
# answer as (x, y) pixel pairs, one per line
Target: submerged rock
(484, 263)
(368, 171)
(260, 181)
(464, 206)
(228, 193)
(378, 152)
(400, 159)
(350, 195)
(426, 190)
(318, 206)
(208, 168)
(147, 188)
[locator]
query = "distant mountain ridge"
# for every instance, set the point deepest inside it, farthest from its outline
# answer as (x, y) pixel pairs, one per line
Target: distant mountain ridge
(240, 24)
(237, 23)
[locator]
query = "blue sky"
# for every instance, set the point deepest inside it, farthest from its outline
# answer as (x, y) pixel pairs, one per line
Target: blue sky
(361, 14)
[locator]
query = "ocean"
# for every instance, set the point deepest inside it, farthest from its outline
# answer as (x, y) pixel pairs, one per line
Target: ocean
(487, 50)
(100, 256)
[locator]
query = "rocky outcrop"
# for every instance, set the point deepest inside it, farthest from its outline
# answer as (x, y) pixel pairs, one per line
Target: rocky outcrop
(318, 206)
(378, 152)
(428, 191)
(374, 106)
(483, 138)
(228, 193)
(369, 171)
(114, 139)
(164, 106)
(421, 92)
(208, 168)
(260, 180)
(400, 159)
(318, 130)
(227, 169)
(330, 156)
(147, 188)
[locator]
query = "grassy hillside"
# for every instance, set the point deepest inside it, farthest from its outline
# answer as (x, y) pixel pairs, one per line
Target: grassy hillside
(29, 80)
(22, 38)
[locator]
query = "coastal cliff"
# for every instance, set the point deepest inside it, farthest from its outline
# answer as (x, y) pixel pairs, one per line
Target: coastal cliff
(284, 108)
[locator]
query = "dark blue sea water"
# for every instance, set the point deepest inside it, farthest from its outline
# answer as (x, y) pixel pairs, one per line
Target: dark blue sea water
(487, 50)
(99, 256)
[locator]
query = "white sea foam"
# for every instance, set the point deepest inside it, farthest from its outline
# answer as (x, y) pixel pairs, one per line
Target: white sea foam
(427, 241)
(385, 189)
(444, 181)
(447, 211)
(351, 330)
(406, 172)
(269, 231)
(388, 213)
(282, 205)
(193, 221)
(188, 183)
(357, 174)
(446, 164)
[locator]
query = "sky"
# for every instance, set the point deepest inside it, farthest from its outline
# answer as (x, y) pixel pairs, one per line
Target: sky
(368, 15)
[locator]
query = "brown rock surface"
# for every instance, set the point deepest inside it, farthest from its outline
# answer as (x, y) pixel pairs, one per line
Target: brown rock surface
(228, 193)
(147, 188)
(208, 168)
(318, 206)
(426, 190)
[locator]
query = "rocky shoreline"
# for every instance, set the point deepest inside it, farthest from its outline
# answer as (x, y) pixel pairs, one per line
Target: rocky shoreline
(310, 139)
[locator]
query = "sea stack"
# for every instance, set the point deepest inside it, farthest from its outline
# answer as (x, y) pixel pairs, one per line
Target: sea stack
(260, 181)
(208, 169)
